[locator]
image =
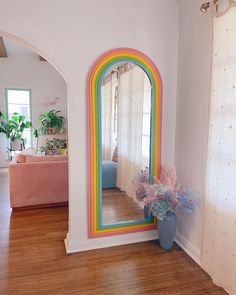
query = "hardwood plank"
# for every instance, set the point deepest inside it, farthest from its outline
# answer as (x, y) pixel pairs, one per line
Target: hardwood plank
(33, 260)
(3, 52)
(117, 206)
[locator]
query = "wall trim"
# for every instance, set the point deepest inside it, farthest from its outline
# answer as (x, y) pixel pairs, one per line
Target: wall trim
(189, 248)
(74, 246)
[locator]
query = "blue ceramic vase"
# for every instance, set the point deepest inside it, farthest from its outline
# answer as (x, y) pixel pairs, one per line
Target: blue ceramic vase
(167, 231)
(146, 212)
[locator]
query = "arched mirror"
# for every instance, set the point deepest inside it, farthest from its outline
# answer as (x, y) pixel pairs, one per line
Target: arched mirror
(124, 95)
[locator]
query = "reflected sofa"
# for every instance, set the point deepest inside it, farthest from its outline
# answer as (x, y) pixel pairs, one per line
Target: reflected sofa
(109, 174)
(38, 181)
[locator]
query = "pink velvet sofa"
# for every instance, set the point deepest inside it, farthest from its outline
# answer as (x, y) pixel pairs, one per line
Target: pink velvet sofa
(38, 181)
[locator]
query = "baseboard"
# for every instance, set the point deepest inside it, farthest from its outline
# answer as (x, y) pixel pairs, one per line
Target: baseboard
(73, 246)
(66, 241)
(42, 206)
(191, 250)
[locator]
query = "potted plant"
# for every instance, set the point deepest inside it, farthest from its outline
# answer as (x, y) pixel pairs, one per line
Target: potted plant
(13, 127)
(50, 148)
(61, 145)
(64, 148)
(52, 122)
(56, 146)
(163, 197)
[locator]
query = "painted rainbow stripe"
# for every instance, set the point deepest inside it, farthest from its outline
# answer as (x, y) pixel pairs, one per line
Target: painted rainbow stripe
(97, 72)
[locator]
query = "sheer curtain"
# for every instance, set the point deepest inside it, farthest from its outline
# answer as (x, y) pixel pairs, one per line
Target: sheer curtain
(219, 243)
(108, 105)
(130, 125)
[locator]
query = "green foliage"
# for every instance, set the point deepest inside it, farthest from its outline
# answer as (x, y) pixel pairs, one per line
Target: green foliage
(60, 143)
(36, 133)
(55, 144)
(49, 145)
(14, 126)
(51, 119)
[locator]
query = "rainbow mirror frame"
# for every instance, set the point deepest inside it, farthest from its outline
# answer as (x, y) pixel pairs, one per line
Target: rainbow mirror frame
(95, 226)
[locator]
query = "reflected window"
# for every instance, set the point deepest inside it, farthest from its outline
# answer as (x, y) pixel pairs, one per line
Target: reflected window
(146, 132)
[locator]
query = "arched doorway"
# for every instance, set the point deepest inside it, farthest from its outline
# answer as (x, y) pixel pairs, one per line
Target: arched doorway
(49, 102)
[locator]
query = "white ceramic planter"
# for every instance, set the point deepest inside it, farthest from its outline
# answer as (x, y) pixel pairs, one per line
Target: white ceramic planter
(16, 145)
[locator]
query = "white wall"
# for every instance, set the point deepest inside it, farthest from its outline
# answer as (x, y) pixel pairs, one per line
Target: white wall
(27, 72)
(195, 44)
(71, 35)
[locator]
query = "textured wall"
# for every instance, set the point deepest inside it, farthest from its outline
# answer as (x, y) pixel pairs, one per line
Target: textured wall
(71, 35)
(194, 66)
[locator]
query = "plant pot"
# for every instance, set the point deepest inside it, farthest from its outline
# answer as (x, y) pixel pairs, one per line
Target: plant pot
(61, 131)
(167, 231)
(51, 130)
(146, 212)
(52, 152)
(16, 145)
(64, 151)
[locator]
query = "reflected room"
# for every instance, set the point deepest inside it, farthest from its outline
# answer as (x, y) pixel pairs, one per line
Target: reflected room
(126, 97)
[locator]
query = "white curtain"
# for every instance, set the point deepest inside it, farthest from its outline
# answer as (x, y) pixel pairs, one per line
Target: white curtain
(130, 122)
(219, 244)
(108, 106)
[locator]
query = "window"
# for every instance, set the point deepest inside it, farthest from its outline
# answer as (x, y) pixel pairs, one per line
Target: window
(18, 100)
(146, 135)
(109, 115)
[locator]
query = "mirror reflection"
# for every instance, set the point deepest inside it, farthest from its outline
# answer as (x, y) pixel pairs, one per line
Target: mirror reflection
(126, 130)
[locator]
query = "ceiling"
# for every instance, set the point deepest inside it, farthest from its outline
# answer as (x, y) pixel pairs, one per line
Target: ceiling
(16, 48)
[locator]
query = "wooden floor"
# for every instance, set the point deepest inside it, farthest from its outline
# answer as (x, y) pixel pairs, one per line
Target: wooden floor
(118, 207)
(33, 261)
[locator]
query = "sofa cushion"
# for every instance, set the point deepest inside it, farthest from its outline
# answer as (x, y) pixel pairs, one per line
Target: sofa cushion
(30, 159)
(29, 151)
(109, 174)
(20, 158)
(115, 155)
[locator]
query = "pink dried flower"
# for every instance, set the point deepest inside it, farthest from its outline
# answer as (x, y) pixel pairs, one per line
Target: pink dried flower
(163, 194)
(168, 177)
